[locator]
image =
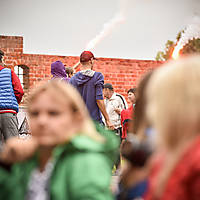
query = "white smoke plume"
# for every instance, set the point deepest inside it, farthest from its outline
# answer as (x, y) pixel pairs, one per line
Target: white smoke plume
(108, 27)
(191, 31)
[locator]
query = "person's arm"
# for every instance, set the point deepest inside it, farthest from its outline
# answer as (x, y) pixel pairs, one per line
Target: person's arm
(124, 131)
(102, 108)
(99, 99)
(122, 104)
(17, 87)
(118, 110)
(16, 150)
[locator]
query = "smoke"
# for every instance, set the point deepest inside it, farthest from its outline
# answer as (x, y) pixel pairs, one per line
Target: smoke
(191, 31)
(108, 27)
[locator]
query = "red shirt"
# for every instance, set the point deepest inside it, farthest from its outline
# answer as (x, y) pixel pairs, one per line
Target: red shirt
(184, 182)
(126, 116)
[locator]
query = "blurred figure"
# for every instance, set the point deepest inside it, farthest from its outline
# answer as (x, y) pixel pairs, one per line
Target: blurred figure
(114, 103)
(69, 71)
(126, 114)
(90, 83)
(140, 125)
(136, 150)
(173, 98)
(71, 160)
(133, 182)
(11, 94)
(58, 71)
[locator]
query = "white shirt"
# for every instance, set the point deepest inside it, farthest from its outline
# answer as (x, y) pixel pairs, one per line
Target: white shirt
(116, 101)
(38, 187)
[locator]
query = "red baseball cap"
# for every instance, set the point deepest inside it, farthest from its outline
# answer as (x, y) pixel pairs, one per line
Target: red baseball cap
(86, 56)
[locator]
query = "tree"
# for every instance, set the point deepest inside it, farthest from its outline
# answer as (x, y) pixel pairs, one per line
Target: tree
(166, 54)
(193, 46)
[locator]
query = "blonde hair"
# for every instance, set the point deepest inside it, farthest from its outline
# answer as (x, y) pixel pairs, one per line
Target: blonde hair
(66, 92)
(173, 98)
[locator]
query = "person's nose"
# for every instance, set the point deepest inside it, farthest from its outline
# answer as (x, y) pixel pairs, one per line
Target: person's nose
(43, 119)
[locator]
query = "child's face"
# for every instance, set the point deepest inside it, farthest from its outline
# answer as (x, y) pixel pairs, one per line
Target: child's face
(51, 120)
(131, 97)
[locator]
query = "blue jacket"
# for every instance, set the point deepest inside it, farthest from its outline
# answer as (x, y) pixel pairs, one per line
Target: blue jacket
(7, 95)
(90, 85)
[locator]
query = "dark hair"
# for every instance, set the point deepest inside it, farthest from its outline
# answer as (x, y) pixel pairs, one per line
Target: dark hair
(136, 151)
(132, 90)
(69, 70)
(108, 85)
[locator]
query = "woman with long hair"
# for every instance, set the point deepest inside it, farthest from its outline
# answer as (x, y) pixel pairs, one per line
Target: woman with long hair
(67, 156)
(173, 109)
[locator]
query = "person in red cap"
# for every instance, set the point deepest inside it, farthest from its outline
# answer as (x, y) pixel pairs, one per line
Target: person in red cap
(90, 83)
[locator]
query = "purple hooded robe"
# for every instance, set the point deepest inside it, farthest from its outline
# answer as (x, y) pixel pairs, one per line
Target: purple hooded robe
(58, 71)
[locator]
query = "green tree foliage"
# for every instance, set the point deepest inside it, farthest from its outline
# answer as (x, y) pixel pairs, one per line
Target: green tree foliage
(166, 54)
(193, 46)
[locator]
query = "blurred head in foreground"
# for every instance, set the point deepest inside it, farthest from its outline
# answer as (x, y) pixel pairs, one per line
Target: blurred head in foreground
(173, 109)
(173, 98)
(140, 123)
(65, 147)
(56, 113)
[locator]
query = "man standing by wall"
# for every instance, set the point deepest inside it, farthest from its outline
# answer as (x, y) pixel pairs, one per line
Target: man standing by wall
(11, 93)
(114, 103)
(90, 85)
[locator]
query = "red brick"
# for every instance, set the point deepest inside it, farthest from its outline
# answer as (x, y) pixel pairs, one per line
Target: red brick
(122, 73)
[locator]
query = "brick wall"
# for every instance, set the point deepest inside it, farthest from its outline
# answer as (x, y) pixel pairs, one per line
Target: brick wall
(122, 73)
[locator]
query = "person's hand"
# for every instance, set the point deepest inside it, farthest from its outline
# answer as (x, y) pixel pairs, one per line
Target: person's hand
(16, 150)
(110, 125)
(118, 111)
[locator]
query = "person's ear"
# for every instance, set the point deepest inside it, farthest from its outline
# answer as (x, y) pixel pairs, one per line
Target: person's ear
(78, 118)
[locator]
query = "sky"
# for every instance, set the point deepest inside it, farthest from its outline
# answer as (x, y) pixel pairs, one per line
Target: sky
(65, 27)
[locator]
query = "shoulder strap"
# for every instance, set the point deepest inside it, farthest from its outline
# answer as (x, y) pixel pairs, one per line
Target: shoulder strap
(122, 100)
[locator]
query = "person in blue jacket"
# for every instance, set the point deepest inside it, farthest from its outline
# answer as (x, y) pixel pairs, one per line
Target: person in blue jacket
(90, 83)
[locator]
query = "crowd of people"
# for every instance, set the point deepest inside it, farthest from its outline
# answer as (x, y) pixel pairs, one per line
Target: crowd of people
(83, 134)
